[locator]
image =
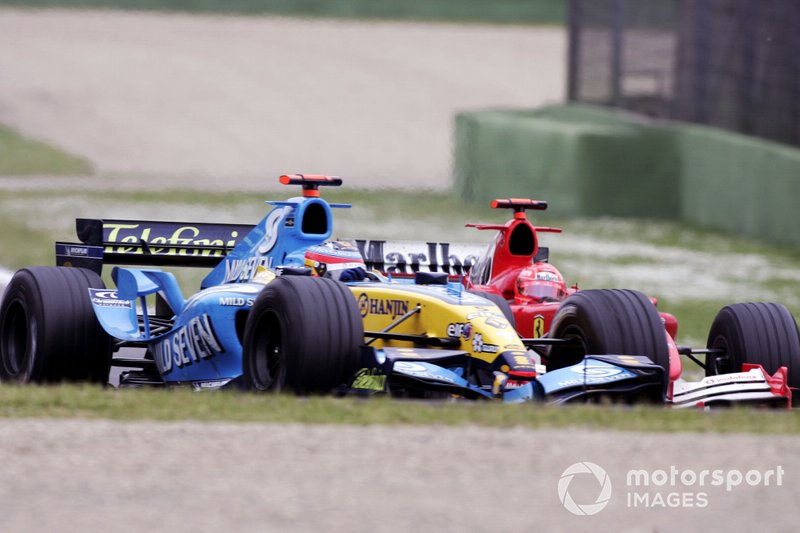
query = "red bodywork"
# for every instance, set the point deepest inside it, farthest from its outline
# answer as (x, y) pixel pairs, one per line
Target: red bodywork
(513, 256)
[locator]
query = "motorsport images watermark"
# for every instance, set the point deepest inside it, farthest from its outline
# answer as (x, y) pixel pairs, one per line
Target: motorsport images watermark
(672, 488)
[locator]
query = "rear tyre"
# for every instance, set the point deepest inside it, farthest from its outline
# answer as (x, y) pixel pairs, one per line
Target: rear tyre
(303, 334)
(759, 333)
(608, 322)
(48, 329)
(500, 302)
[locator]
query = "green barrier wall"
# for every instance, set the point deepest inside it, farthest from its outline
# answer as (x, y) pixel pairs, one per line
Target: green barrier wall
(740, 184)
(590, 161)
(582, 161)
(481, 11)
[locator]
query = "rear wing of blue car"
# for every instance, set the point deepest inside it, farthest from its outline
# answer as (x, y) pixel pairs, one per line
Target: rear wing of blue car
(149, 243)
(204, 245)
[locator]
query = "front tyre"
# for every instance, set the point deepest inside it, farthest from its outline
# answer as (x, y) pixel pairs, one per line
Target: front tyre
(608, 322)
(758, 333)
(303, 334)
(48, 329)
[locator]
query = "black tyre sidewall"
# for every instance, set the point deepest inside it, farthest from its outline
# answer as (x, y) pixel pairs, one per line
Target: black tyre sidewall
(321, 331)
(608, 322)
(759, 333)
(21, 309)
(65, 341)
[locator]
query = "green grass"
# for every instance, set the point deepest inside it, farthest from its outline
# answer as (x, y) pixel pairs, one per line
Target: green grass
(20, 156)
(480, 11)
(180, 404)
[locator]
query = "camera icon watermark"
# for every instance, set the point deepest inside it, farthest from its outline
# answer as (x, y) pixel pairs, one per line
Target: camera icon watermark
(604, 489)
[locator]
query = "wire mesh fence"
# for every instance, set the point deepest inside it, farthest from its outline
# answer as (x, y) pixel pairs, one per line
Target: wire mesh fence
(733, 64)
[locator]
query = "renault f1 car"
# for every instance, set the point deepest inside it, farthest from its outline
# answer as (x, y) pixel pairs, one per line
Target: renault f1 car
(261, 320)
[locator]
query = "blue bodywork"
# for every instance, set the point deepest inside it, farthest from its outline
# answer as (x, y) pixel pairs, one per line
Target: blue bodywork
(202, 342)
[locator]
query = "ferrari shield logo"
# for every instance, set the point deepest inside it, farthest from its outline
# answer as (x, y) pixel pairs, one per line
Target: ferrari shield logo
(538, 326)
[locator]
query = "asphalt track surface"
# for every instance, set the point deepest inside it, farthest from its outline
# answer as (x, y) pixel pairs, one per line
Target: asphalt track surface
(208, 102)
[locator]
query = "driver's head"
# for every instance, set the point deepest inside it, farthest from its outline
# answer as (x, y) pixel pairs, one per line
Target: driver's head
(338, 260)
(541, 282)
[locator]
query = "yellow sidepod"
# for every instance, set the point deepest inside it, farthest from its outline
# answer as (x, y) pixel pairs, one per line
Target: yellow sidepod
(443, 312)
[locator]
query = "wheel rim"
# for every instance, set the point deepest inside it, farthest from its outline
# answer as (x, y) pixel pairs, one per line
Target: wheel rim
(268, 362)
(719, 364)
(18, 341)
(574, 352)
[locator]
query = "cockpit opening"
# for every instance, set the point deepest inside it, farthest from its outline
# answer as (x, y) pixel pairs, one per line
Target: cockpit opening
(522, 241)
(315, 220)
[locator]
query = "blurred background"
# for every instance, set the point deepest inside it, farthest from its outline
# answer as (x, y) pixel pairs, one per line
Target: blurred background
(442, 94)
(230, 94)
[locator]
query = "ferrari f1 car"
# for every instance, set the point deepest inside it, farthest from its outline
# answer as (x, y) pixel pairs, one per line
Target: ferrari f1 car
(263, 321)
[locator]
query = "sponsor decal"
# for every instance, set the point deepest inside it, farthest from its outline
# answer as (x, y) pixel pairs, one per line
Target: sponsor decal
(732, 378)
(483, 314)
(408, 257)
(544, 275)
(236, 301)
(538, 326)
(522, 360)
(162, 238)
(594, 373)
(188, 344)
(369, 379)
(104, 298)
(497, 321)
(420, 371)
(478, 346)
(381, 306)
(597, 371)
(240, 270)
(213, 384)
(271, 224)
(77, 251)
(459, 329)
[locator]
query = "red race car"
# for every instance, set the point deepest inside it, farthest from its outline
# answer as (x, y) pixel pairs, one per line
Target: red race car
(753, 350)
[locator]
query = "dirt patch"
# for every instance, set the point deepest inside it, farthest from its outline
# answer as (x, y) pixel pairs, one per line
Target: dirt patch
(228, 102)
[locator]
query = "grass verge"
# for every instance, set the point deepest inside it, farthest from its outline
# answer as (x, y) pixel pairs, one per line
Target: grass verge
(20, 156)
(68, 401)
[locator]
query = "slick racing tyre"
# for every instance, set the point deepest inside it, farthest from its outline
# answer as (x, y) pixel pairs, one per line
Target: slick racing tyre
(608, 322)
(500, 302)
(48, 329)
(303, 334)
(759, 333)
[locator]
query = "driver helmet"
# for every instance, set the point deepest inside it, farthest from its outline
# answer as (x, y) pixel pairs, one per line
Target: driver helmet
(541, 282)
(338, 260)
